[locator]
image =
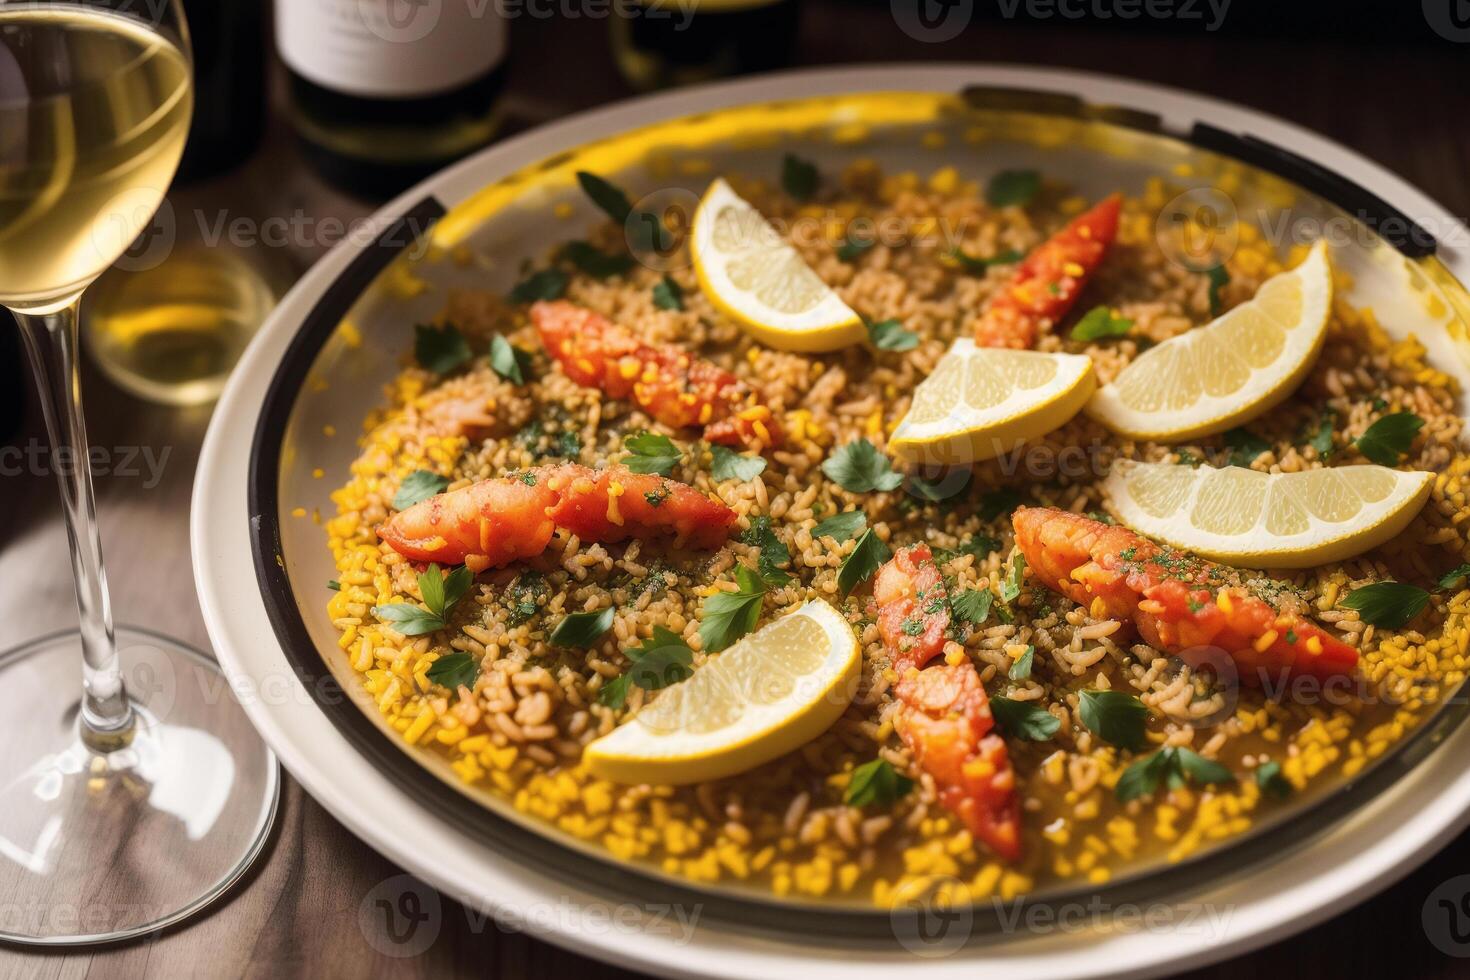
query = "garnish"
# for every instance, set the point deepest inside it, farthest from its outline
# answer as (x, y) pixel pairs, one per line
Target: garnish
(876, 782)
(1024, 720)
(595, 262)
(652, 453)
(851, 248)
(891, 335)
(867, 555)
(1100, 322)
(582, 629)
(859, 467)
(1271, 780)
(662, 659)
(1454, 575)
(996, 503)
(1172, 766)
(798, 177)
(1387, 604)
(1114, 717)
(334, 585)
(774, 555)
(454, 670)
(1219, 278)
(645, 232)
(730, 465)
(440, 349)
(1013, 187)
(941, 488)
(1389, 438)
(728, 616)
(509, 361)
(1011, 587)
(667, 294)
(1021, 669)
(1245, 446)
(418, 485)
(544, 284)
(441, 593)
(841, 527)
(1321, 440)
(975, 265)
(972, 605)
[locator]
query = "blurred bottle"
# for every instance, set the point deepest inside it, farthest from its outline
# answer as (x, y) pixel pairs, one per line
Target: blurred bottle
(679, 42)
(229, 85)
(385, 92)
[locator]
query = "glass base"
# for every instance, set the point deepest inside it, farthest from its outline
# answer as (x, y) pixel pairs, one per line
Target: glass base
(96, 848)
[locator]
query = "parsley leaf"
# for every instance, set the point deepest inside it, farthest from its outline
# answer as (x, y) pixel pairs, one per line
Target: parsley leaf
(728, 616)
(644, 229)
(941, 488)
(454, 670)
(730, 465)
(1454, 575)
(979, 266)
(508, 361)
(1169, 765)
(798, 177)
(841, 527)
(652, 453)
(1100, 322)
(773, 553)
(408, 619)
(890, 335)
(582, 629)
(1389, 438)
(1143, 776)
(867, 555)
(595, 262)
(1245, 446)
(972, 605)
(440, 592)
(1013, 187)
(1271, 780)
(876, 782)
(545, 284)
(662, 659)
(667, 295)
(440, 350)
(851, 248)
(614, 693)
(1387, 604)
(1201, 770)
(1321, 440)
(1011, 587)
(1024, 720)
(1021, 669)
(1114, 717)
(858, 467)
(1219, 279)
(418, 485)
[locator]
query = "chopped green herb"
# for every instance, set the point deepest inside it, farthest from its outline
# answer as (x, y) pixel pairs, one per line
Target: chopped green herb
(1024, 720)
(730, 465)
(1271, 780)
(1143, 777)
(614, 693)
(1245, 446)
(662, 659)
(774, 555)
(1101, 516)
(728, 616)
(1011, 587)
(418, 485)
(1021, 669)
(544, 284)
(859, 467)
(334, 585)
(941, 488)
(798, 177)
(972, 606)
(851, 248)
(652, 453)
(1321, 440)
(876, 782)
(1219, 278)
(1171, 765)
(891, 335)
(1387, 604)
(1013, 187)
(1100, 322)
(667, 295)
(508, 361)
(1114, 717)
(1389, 438)
(454, 670)
(440, 349)
(841, 527)
(582, 629)
(645, 231)
(867, 555)
(595, 262)
(1455, 575)
(979, 266)
(440, 593)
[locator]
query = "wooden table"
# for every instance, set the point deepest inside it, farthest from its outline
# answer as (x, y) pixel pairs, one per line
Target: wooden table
(297, 913)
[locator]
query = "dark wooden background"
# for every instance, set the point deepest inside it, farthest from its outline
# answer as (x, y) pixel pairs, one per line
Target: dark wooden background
(1403, 104)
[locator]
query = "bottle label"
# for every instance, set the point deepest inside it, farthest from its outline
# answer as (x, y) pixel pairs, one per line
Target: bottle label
(390, 48)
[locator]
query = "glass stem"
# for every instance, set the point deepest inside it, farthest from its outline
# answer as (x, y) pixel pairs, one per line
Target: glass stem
(51, 339)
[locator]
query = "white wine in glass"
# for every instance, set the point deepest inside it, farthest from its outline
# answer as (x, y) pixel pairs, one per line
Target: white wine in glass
(133, 791)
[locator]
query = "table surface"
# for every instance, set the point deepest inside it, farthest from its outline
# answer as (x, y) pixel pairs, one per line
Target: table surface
(297, 912)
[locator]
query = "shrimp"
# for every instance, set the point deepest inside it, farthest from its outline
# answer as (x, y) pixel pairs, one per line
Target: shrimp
(944, 716)
(495, 522)
(668, 383)
(1048, 280)
(1177, 601)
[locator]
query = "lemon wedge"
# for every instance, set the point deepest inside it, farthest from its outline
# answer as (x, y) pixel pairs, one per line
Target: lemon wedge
(757, 279)
(772, 692)
(980, 402)
(1231, 369)
(1267, 520)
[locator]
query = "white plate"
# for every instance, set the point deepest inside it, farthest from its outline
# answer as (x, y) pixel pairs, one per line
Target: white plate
(1337, 869)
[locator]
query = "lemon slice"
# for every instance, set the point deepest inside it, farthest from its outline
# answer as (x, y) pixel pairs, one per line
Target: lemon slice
(774, 691)
(1231, 369)
(980, 402)
(758, 280)
(1267, 520)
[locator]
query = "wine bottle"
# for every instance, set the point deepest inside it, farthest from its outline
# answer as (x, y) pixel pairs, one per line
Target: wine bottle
(660, 43)
(229, 85)
(385, 92)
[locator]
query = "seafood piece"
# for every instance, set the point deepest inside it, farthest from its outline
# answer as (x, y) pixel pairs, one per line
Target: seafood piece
(1048, 280)
(1178, 601)
(944, 717)
(666, 382)
(498, 521)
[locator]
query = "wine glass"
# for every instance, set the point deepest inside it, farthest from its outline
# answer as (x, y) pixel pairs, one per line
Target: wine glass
(134, 801)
